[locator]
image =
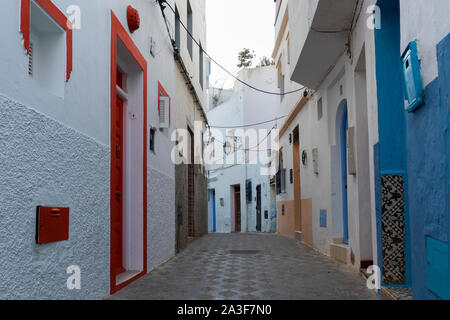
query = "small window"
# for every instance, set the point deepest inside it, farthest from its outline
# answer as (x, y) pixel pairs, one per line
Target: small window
(319, 109)
(200, 65)
(152, 139)
(248, 190)
(177, 28)
(163, 107)
(189, 27)
(48, 39)
(280, 77)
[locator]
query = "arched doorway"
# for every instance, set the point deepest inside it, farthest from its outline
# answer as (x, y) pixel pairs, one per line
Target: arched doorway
(344, 184)
(339, 175)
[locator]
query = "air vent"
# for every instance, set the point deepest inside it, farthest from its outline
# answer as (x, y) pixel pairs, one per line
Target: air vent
(164, 112)
(30, 61)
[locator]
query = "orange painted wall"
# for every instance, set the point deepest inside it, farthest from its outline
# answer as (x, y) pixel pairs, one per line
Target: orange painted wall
(307, 233)
(286, 223)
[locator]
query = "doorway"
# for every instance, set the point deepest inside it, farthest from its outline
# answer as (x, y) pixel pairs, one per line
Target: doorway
(128, 138)
(343, 150)
(297, 182)
(191, 190)
(258, 209)
(237, 208)
(212, 210)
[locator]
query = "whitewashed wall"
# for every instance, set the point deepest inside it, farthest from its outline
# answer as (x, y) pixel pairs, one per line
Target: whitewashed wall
(81, 120)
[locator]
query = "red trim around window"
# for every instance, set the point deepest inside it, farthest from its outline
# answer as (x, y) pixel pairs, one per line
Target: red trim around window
(119, 32)
(164, 93)
(58, 16)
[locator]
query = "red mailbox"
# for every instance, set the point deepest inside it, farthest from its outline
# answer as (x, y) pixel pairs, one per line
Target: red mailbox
(52, 224)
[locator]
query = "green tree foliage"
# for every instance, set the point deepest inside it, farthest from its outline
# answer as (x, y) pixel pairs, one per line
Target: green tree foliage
(264, 62)
(245, 58)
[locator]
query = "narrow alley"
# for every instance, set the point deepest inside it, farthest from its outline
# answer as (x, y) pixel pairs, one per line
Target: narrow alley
(249, 266)
(233, 150)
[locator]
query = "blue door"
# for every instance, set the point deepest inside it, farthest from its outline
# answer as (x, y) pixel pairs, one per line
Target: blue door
(214, 209)
(344, 127)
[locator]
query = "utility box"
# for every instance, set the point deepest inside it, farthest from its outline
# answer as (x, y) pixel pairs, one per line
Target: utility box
(437, 268)
(52, 224)
(351, 158)
(413, 85)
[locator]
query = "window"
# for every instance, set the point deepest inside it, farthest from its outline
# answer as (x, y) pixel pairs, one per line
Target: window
(163, 107)
(189, 27)
(152, 139)
(200, 65)
(47, 37)
(288, 45)
(280, 77)
(177, 28)
(319, 109)
(281, 175)
(248, 190)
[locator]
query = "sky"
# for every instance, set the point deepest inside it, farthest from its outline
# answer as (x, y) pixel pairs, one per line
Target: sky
(233, 25)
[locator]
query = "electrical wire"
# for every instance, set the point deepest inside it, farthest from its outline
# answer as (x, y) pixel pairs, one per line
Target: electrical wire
(248, 149)
(164, 3)
(248, 125)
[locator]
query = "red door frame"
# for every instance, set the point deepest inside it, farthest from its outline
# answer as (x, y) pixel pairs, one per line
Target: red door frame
(118, 31)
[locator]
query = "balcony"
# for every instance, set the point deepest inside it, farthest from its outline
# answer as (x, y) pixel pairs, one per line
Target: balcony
(327, 24)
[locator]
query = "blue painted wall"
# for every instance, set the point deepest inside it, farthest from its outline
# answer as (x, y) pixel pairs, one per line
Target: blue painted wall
(391, 111)
(390, 153)
(428, 172)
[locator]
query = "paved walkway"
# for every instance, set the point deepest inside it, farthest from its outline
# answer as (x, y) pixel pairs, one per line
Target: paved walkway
(250, 267)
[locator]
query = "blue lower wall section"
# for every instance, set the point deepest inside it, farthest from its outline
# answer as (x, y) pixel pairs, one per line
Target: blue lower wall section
(443, 55)
(427, 159)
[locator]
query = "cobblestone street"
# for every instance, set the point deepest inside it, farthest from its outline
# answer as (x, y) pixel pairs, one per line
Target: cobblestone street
(249, 267)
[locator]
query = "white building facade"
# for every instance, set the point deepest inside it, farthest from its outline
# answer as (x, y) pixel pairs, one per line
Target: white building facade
(239, 182)
(81, 98)
(375, 77)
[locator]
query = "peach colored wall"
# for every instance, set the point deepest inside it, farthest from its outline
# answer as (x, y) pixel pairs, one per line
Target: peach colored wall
(307, 236)
(286, 223)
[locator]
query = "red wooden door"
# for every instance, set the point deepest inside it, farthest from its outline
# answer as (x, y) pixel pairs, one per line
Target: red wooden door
(117, 182)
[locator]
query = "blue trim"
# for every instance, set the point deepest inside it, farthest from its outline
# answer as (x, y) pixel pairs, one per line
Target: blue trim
(214, 210)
